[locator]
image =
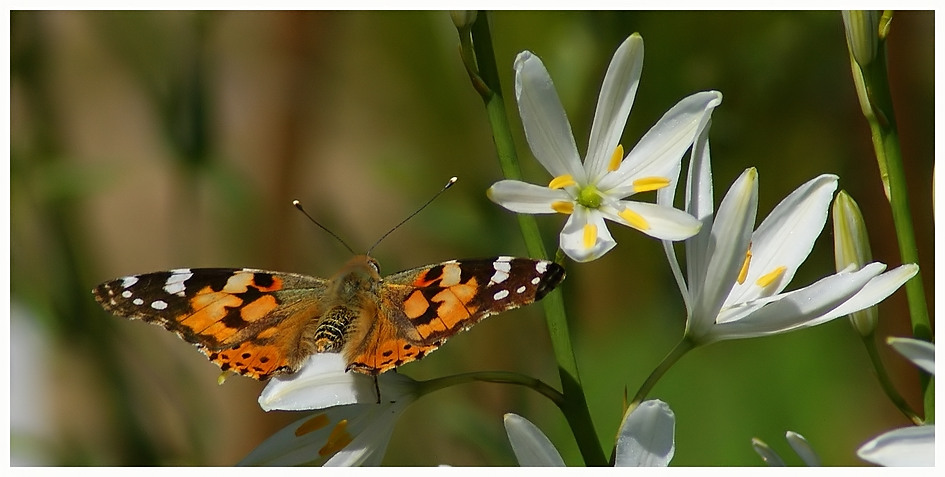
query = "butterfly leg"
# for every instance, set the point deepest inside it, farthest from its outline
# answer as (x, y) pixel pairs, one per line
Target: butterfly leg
(377, 389)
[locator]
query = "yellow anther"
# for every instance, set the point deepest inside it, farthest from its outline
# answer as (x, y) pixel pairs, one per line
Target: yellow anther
(590, 235)
(561, 182)
(636, 220)
(563, 206)
(315, 423)
(743, 274)
(644, 184)
(337, 440)
(770, 277)
(616, 158)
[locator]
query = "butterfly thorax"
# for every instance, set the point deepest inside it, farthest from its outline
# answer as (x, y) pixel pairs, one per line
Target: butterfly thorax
(349, 295)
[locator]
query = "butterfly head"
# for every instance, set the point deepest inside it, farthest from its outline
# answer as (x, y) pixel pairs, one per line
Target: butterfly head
(360, 274)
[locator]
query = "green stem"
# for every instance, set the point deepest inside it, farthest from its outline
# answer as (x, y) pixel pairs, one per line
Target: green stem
(479, 58)
(681, 348)
(872, 86)
(503, 377)
(884, 381)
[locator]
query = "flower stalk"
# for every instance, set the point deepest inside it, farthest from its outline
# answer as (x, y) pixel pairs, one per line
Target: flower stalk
(681, 348)
(872, 87)
(851, 247)
(485, 79)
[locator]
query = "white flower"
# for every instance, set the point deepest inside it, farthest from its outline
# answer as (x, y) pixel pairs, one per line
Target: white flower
(646, 439)
(595, 190)
(647, 436)
(797, 442)
(736, 277)
(352, 429)
(907, 446)
(531, 447)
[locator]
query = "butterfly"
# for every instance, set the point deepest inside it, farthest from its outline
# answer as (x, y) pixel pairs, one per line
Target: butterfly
(261, 323)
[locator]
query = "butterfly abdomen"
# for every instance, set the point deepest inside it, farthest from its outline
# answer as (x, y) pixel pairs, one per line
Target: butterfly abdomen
(333, 329)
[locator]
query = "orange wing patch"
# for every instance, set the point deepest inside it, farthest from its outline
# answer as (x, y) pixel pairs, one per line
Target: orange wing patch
(258, 361)
(383, 349)
(450, 308)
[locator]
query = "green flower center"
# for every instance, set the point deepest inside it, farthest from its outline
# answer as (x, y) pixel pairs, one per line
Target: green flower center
(589, 197)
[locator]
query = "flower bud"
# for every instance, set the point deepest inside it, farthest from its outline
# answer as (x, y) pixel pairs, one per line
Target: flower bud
(862, 28)
(463, 19)
(851, 246)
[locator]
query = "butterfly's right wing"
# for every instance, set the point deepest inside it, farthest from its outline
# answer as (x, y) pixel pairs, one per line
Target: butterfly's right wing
(421, 308)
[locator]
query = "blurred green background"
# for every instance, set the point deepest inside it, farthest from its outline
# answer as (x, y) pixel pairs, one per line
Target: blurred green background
(147, 141)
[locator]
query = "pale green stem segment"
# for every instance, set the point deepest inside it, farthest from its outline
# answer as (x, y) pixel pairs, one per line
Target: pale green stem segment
(872, 87)
(888, 387)
(504, 377)
(479, 59)
(683, 347)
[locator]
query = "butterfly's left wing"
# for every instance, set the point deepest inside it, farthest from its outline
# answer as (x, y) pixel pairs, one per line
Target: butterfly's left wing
(419, 309)
(245, 320)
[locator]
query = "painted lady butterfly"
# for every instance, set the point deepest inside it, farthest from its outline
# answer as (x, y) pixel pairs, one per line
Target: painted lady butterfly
(260, 323)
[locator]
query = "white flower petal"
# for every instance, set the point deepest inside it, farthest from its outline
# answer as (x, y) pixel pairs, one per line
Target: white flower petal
(699, 203)
(907, 447)
(922, 353)
(526, 198)
(662, 147)
(767, 453)
(665, 223)
(647, 436)
(786, 237)
(801, 308)
(613, 106)
(573, 234)
(324, 373)
(545, 122)
(532, 448)
(803, 449)
(875, 291)
(725, 253)
(322, 382)
(305, 442)
(370, 444)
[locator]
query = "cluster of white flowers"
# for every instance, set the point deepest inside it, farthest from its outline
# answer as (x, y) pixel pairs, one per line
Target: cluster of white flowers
(733, 287)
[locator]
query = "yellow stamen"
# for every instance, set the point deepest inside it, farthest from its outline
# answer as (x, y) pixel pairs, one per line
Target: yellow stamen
(313, 424)
(616, 158)
(743, 274)
(590, 235)
(562, 206)
(636, 220)
(645, 184)
(770, 277)
(338, 439)
(561, 182)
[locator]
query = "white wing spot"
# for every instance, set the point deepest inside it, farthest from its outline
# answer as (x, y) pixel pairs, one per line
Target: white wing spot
(502, 268)
(175, 282)
(536, 280)
(126, 294)
(541, 267)
(500, 294)
(520, 289)
(128, 281)
(159, 304)
(138, 301)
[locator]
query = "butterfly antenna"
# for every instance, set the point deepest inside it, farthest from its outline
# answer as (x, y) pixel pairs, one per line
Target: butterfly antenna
(449, 184)
(298, 205)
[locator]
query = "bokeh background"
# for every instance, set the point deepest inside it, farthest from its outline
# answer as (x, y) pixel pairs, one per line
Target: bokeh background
(146, 141)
